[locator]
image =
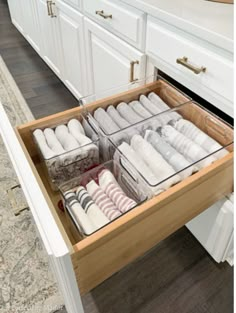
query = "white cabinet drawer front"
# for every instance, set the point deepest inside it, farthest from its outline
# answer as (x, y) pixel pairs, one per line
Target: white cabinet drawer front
(127, 22)
(167, 46)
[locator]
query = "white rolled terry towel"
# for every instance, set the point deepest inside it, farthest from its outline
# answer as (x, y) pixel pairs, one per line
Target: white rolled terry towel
(117, 118)
(66, 139)
(53, 142)
(128, 113)
(170, 154)
(137, 162)
(105, 121)
(158, 102)
(43, 146)
(77, 131)
(103, 201)
(111, 187)
(161, 169)
(97, 217)
(187, 147)
(154, 110)
(78, 213)
(198, 136)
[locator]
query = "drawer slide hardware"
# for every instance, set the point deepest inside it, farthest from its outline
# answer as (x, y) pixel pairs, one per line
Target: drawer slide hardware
(16, 209)
(184, 61)
(132, 79)
(102, 14)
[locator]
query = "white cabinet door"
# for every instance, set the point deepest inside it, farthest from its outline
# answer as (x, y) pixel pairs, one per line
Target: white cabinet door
(31, 23)
(109, 59)
(70, 23)
(15, 7)
(50, 37)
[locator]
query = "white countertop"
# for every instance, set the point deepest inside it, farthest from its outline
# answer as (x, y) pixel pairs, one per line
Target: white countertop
(208, 20)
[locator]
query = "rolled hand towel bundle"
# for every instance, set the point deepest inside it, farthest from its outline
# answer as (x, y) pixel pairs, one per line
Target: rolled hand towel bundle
(187, 147)
(53, 142)
(137, 162)
(79, 213)
(161, 169)
(139, 109)
(104, 120)
(109, 184)
(97, 217)
(102, 200)
(66, 139)
(156, 100)
(154, 110)
(170, 154)
(198, 136)
(117, 118)
(128, 113)
(44, 148)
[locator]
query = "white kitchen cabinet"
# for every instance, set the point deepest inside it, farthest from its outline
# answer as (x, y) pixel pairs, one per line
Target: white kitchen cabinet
(109, 59)
(15, 7)
(50, 36)
(70, 26)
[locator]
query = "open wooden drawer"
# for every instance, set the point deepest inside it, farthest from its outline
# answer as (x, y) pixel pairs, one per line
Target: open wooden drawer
(100, 255)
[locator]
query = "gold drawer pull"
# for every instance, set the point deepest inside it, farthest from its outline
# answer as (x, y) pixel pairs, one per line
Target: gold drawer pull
(50, 3)
(16, 209)
(132, 79)
(48, 7)
(184, 61)
(102, 14)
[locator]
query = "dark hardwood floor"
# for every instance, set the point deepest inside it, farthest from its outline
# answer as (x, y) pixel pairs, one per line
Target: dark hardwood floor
(177, 276)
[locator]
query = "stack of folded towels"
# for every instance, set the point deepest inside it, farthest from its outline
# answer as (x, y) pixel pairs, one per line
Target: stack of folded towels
(66, 145)
(97, 203)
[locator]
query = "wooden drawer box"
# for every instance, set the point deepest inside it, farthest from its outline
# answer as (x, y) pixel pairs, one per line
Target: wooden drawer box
(100, 255)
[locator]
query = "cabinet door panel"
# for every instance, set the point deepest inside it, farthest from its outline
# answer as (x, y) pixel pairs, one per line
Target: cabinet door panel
(16, 13)
(49, 34)
(108, 59)
(72, 45)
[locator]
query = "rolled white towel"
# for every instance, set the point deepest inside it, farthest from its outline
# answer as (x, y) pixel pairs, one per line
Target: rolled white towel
(198, 136)
(42, 143)
(139, 109)
(128, 113)
(187, 147)
(111, 187)
(137, 162)
(79, 214)
(154, 110)
(53, 142)
(155, 161)
(97, 217)
(105, 121)
(170, 154)
(66, 139)
(159, 103)
(76, 126)
(75, 129)
(117, 118)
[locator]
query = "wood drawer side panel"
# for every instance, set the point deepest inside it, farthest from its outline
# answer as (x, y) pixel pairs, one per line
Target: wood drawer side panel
(105, 257)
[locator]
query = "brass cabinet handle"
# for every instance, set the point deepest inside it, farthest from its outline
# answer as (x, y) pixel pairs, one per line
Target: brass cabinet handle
(132, 79)
(184, 61)
(48, 7)
(51, 4)
(16, 209)
(102, 14)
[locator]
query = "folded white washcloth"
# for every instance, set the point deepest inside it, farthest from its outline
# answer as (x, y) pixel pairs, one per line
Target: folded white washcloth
(78, 213)
(137, 162)
(97, 217)
(198, 136)
(170, 154)
(44, 148)
(111, 187)
(159, 103)
(187, 147)
(52, 141)
(161, 169)
(103, 201)
(105, 121)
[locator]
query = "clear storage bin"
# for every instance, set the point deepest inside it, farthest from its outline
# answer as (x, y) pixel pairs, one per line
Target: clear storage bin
(122, 177)
(206, 121)
(168, 93)
(70, 164)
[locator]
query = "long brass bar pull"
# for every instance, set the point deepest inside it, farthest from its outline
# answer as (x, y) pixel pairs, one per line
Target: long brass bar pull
(184, 61)
(48, 7)
(102, 14)
(51, 3)
(132, 79)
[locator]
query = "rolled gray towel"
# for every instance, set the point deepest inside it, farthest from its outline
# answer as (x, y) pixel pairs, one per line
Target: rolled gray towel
(105, 121)
(128, 113)
(117, 118)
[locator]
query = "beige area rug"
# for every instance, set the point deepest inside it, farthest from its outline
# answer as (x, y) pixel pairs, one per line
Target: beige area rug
(26, 282)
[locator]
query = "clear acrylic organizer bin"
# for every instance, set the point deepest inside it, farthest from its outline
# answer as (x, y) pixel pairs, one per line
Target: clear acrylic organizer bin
(70, 164)
(206, 121)
(121, 177)
(168, 93)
